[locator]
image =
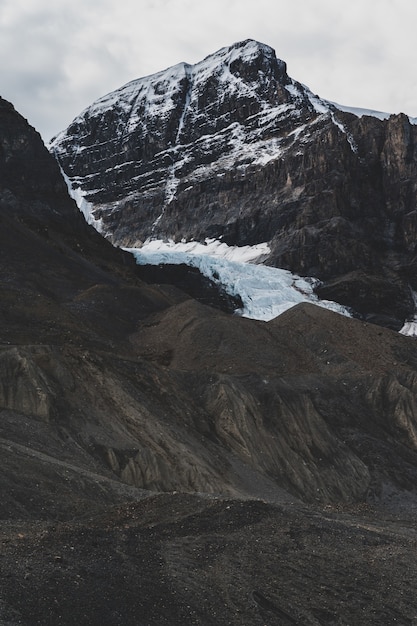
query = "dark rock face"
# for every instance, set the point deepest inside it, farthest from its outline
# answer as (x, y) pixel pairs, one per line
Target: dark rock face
(234, 148)
(383, 300)
(192, 282)
(165, 463)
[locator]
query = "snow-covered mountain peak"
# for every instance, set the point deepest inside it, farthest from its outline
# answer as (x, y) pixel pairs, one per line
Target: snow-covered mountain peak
(247, 50)
(233, 85)
(233, 149)
(228, 108)
(250, 53)
(242, 68)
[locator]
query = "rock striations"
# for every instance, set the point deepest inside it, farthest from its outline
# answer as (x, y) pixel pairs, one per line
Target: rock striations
(233, 148)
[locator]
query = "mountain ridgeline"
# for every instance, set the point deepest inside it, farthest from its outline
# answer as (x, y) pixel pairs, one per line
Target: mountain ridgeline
(233, 148)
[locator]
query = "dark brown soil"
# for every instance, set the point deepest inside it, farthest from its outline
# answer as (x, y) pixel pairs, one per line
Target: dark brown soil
(183, 559)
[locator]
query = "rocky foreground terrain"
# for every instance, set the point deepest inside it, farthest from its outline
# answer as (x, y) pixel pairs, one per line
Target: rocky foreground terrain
(233, 148)
(164, 462)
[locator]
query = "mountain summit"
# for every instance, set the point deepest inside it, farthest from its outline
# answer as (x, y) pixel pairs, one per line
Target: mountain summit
(232, 148)
(143, 144)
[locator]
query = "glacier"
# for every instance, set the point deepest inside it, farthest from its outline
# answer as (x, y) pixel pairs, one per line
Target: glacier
(265, 291)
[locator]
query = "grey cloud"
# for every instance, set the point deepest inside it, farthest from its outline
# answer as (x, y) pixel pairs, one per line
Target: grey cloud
(58, 57)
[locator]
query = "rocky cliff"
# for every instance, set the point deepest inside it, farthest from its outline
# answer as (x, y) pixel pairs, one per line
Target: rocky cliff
(234, 148)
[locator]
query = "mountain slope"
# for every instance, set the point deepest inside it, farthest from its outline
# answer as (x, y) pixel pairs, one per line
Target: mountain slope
(165, 463)
(233, 148)
(186, 559)
(78, 325)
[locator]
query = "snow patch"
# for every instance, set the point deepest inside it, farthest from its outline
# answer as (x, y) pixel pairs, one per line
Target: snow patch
(361, 112)
(84, 206)
(410, 327)
(320, 106)
(349, 137)
(381, 115)
(294, 91)
(210, 247)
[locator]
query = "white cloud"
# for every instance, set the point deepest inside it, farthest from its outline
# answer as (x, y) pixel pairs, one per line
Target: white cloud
(58, 57)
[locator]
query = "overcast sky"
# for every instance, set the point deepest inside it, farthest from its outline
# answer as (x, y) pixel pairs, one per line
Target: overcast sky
(58, 56)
